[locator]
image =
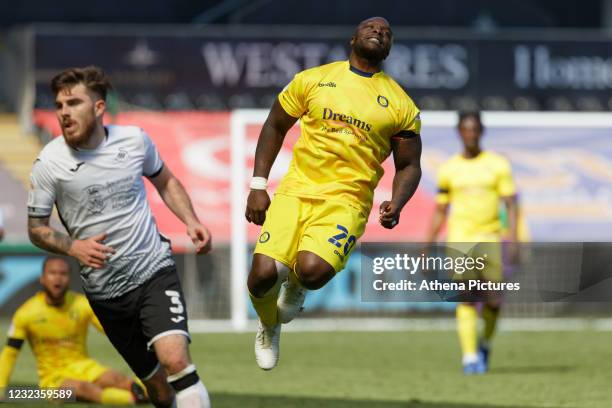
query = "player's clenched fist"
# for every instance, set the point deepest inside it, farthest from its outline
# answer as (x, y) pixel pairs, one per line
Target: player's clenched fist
(257, 205)
(91, 251)
(389, 214)
(201, 238)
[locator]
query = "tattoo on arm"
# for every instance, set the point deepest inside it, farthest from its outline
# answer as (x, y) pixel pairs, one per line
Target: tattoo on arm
(45, 237)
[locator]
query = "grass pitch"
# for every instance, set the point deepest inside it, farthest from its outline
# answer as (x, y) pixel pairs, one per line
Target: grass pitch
(389, 370)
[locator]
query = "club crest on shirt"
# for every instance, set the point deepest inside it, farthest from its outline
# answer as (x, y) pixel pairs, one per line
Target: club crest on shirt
(122, 155)
(382, 101)
(95, 201)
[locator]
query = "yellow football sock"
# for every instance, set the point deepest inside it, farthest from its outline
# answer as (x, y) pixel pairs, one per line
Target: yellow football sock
(117, 396)
(489, 315)
(467, 327)
(266, 306)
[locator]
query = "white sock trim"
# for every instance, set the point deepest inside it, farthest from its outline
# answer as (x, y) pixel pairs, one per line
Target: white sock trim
(187, 370)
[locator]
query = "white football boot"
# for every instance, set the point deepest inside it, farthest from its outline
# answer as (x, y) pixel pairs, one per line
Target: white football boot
(267, 342)
(290, 301)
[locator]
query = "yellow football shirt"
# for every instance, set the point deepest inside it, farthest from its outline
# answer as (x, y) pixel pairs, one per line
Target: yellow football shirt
(347, 120)
(473, 188)
(57, 335)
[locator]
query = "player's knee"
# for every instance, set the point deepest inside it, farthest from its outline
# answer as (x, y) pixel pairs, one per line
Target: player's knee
(175, 363)
(314, 279)
(263, 276)
(313, 272)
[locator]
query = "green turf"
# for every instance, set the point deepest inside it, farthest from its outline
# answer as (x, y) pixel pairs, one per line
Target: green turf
(392, 370)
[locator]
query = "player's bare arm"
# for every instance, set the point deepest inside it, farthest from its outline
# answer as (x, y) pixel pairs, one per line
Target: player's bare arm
(407, 159)
(90, 252)
(176, 198)
(45, 237)
(269, 143)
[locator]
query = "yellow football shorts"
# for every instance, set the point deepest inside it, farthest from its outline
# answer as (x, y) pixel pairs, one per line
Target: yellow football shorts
(329, 229)
(87, 370)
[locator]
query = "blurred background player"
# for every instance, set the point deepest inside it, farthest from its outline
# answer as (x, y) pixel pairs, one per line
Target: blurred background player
(352, 117)
(471, 185)
(55, 323)
(93, 174)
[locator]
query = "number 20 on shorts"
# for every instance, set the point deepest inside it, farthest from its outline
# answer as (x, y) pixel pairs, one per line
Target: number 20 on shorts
(338, 239)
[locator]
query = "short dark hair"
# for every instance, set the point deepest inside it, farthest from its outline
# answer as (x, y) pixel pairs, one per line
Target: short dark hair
(50, 258)
(92, 77)
(470, 114)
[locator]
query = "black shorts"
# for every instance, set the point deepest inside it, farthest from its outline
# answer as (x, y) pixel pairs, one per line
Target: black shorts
(134, 321)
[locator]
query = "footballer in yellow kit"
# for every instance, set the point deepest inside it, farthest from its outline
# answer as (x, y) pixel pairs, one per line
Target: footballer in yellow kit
(352, 117)
(55, 322)
(471, 187)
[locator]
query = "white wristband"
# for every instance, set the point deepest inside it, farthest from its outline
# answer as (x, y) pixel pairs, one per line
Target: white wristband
(259, 183)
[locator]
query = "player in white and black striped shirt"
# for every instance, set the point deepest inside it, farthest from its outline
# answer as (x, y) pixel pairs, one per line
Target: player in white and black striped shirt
(93, 176)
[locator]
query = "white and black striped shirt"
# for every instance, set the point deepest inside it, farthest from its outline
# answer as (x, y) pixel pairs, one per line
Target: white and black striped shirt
(102, 190)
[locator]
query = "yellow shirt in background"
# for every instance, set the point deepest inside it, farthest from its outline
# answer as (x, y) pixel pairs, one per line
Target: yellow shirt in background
(473, 188)
(57, 335)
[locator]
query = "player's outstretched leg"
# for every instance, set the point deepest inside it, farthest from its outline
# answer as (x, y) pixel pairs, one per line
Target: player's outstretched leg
(115, 379)
(90, 392)
(264, 284)
(173, 354)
